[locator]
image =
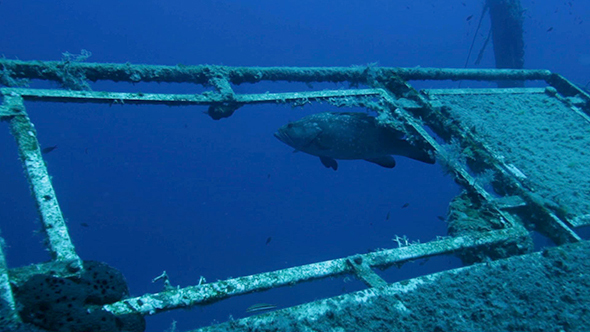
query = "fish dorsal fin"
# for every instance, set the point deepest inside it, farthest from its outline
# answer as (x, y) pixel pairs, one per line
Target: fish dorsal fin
(384, 161)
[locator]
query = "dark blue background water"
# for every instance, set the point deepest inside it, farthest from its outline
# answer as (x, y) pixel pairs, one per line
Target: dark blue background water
(170, 189)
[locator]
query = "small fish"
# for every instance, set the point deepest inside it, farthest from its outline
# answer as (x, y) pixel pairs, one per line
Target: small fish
(469, 18)
(387, 217)
(268, 240)
(550, 29)
(405, 205)
(260, 307)
(441, 218)
(268, 176)
(48, 149)
(83, 224)
(348, 136)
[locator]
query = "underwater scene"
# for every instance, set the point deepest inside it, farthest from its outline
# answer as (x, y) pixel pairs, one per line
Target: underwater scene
(224, 165)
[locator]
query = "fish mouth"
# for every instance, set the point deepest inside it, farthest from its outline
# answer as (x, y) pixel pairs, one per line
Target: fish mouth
(284, 137)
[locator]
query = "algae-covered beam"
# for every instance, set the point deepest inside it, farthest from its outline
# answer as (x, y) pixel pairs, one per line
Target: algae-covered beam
(210, 75)
(58, 240)
(206, 98)
(150, 304)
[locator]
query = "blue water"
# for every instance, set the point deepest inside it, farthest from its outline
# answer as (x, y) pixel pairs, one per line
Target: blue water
(147, 189)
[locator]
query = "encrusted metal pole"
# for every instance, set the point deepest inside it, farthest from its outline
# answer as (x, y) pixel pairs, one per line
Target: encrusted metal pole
(216, 75)
(58, 243)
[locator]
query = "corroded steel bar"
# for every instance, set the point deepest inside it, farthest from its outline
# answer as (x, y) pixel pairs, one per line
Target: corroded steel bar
(207, 293)
(206, 98)
(207, 75)
(58, 240)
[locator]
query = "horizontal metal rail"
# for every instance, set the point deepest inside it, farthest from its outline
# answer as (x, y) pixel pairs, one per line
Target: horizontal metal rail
(207, 98)
(203, 74)
(150, 304)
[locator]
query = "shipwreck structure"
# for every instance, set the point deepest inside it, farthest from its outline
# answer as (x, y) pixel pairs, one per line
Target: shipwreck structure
(504, 285)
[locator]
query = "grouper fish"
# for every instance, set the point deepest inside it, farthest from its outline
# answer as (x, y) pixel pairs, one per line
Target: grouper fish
(348, 136)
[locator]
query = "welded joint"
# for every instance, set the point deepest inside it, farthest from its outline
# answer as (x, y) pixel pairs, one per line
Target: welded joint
(12, 105)
(222, 85)
(363, 271)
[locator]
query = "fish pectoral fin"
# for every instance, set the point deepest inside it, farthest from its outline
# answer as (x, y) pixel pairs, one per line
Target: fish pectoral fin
(321, 147)
(385, 161)
(316, 141)
(329, 162)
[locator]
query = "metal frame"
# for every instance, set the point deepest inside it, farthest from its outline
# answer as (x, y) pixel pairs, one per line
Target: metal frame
(398, 104)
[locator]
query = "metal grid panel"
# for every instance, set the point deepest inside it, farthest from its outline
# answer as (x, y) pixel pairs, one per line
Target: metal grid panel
(542, 138)
(396, 103)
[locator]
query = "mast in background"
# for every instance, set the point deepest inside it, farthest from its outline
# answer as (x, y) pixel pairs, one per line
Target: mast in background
(507, 34)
